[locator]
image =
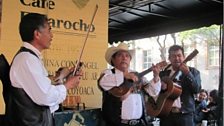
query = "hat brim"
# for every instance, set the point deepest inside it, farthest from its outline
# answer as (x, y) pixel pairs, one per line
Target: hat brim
(112, 50)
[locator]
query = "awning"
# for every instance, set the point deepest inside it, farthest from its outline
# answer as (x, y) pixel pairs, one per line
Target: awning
(136, 19)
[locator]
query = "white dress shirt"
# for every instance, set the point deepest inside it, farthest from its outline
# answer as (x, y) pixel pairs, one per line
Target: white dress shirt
(132, 105)
(177, 102)
(28, 72)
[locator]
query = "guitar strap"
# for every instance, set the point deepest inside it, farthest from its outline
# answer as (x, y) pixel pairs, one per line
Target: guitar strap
(167, 67)
(113, 70)
(167, 71)
(24, 49)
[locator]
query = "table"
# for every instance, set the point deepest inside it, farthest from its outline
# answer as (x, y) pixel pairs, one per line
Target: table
(81, 117)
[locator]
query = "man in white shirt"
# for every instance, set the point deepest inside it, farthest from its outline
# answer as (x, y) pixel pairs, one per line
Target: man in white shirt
(123, 104)
(33, 97)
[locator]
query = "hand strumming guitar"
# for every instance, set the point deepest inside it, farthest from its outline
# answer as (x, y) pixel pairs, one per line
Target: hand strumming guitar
(184, 68)
(131, 76)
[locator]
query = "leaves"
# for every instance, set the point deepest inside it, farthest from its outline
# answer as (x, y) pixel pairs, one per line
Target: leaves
(209, 34)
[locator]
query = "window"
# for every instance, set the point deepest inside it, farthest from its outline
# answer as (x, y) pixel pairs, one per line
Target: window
(147, 59)
(213, 55)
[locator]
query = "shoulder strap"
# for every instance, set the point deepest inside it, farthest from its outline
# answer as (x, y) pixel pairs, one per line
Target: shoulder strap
(113, 70)
(167, 67)
(24, 49)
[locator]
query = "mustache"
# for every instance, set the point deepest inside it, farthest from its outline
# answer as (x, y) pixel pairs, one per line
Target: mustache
(123, 62)
(177, 63)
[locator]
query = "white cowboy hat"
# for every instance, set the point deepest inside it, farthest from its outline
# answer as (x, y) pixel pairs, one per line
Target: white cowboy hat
(112, 50)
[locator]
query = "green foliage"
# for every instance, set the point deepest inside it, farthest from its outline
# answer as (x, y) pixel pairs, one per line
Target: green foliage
(209, 34)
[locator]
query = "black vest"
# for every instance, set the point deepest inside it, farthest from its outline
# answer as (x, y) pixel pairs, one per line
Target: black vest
(111, 106)
(22, 111)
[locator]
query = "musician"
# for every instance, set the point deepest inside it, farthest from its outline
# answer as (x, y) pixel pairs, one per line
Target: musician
(33, 98)
(189, 79)
(126, 110)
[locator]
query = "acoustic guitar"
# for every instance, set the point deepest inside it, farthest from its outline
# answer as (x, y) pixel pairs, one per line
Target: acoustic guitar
(129, 86)
(163, 105)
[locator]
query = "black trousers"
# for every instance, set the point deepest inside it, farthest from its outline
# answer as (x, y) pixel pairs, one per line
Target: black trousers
(177, 119)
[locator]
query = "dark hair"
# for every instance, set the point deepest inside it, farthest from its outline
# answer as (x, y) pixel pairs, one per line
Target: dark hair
(203, 90)
(175, 48)
(214, 94)
(29, 23)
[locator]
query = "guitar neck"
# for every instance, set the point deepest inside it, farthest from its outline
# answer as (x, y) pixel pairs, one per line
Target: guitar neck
(144, 72)
(161, 64)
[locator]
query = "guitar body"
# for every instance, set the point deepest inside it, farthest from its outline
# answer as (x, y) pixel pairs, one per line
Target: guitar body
(125, 89)
(121, 91)
(162, 106)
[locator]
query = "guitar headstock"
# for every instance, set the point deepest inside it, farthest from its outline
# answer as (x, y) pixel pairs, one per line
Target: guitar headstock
(162, 64)
(191, 55)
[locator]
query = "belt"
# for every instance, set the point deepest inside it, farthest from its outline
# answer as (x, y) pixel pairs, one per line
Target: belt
(131, 122)
(175, 110)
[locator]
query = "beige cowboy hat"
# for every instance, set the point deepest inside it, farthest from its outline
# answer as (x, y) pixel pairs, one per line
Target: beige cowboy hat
(112, 50)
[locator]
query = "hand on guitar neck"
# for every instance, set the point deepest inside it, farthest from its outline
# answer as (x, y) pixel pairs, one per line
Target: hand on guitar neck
(156, 69)
(184, 68)
(133, 82)
(136, 77)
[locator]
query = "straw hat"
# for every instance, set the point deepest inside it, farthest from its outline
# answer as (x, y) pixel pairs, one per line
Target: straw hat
(112, 50)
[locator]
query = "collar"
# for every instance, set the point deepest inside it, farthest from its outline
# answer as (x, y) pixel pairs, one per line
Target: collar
(31, 47)
(172, 72)
(129, 70)
(170, 68)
